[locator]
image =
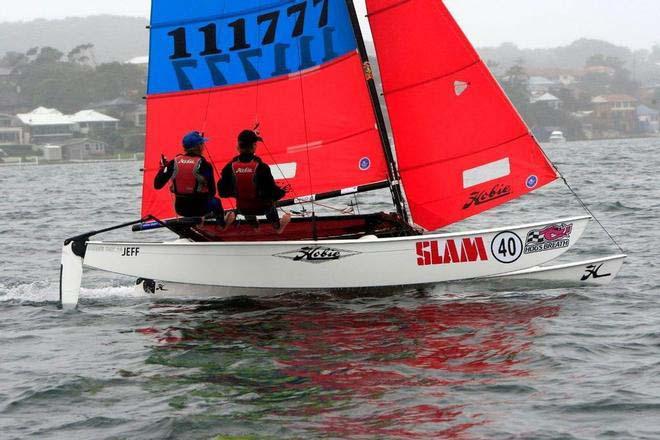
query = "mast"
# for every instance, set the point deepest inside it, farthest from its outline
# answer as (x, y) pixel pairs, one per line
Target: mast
(392, 169)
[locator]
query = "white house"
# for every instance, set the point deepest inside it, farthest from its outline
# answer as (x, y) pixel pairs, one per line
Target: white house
(46, 125)
(539, 84)
(49, 125)
(10, 134)
(549, 100)
(89, 121)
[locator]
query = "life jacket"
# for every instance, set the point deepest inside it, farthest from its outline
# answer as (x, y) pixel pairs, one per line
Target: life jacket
(245, 178)
(186, 178)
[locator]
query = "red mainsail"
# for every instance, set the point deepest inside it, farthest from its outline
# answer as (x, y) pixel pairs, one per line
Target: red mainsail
(461, 146)
(292, 67)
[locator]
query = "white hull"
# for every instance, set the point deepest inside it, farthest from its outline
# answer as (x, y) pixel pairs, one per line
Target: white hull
(334, 264)
(599, 272)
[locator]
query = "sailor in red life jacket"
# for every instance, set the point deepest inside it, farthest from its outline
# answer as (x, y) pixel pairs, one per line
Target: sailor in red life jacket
(251, 182)
(192, 182)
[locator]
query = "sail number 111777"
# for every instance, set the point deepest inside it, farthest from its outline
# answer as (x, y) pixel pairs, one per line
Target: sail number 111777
(260, 56)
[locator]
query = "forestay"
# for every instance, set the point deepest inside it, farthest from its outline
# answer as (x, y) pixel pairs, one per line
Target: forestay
(461, 146)
(292, 66)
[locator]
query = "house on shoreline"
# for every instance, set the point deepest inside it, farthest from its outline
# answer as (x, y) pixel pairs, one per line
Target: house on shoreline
(10, 132)
(51, 126)
(614, 115)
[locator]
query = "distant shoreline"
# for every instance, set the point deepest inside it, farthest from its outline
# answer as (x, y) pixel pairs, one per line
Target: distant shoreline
(67, 162)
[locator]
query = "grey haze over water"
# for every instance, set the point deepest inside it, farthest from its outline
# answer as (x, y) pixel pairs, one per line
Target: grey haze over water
(527, 23)
(460, 361)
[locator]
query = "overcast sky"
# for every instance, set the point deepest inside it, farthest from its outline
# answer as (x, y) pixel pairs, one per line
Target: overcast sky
(527, 23)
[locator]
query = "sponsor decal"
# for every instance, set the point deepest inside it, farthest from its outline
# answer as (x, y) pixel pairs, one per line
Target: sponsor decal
(551, 237)
(368, 72)
(592, 272)
(316, 254)
(480, 197)
(531, 182)
(130, 252)
(365, 163)
(468, 250)
(507, 247)
(243, 170)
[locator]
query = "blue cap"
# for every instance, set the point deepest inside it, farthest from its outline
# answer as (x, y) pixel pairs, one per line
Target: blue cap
(193, 139)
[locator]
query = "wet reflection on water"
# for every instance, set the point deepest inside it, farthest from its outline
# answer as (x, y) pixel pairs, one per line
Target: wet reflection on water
(347, 368)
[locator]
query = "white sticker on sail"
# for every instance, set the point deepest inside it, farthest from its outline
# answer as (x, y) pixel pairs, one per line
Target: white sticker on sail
(284, 170)
(486, 173)
(460, 87)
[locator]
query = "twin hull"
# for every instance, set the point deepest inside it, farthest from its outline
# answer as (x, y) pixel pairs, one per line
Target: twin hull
(370, 262)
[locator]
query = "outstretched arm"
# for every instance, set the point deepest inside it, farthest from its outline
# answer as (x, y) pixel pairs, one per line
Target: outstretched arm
(164, 175)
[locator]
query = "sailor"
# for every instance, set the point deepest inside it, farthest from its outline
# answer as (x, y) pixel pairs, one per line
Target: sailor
(192, 182)
(247, 178)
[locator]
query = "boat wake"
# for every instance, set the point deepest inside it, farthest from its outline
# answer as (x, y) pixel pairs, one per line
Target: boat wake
(46, 292)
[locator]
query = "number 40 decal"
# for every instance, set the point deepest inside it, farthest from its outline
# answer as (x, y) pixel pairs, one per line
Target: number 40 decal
(507, 247)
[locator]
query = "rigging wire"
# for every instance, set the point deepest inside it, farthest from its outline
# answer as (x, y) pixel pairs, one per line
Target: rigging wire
(309, 169)
(256, 92)
(578, 198)
(357, 203)
(586, 208)
(209, 94)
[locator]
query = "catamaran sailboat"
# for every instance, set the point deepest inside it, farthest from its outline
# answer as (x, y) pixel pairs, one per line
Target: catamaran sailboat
(300, 71)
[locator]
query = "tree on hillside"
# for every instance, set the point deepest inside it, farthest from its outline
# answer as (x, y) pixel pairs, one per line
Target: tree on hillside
(70, 84)
(48, 55)
(82, 54)
(620, 82)
(116, 79)
(516, 86)
(13, 60)
(601, 60)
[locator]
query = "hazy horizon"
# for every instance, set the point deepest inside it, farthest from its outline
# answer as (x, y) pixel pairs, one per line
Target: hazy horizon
(526, 23)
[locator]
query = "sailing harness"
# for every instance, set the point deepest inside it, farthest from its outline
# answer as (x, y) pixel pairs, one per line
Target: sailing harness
(187, 180)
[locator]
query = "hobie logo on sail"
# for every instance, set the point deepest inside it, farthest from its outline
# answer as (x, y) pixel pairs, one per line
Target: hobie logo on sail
(316, 254)
(480, 197)
(467, 250)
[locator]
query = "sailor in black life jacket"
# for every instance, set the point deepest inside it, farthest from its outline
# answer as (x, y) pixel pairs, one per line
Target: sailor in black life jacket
(192, 182)
(251, 182)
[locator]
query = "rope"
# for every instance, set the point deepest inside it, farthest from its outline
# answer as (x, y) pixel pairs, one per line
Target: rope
(206, 116)
(357, 203)
(309, 169)
(586, 208)
(256, 98)
(277, 165)
(578, 198)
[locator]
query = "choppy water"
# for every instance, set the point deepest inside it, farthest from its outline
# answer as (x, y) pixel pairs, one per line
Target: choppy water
(463, 362)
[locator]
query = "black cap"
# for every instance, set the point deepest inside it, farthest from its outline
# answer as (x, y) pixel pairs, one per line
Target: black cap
(249, 137)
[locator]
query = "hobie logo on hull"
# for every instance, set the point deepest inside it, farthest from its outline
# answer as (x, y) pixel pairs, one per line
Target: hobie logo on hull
(468, 250)
(316, 254)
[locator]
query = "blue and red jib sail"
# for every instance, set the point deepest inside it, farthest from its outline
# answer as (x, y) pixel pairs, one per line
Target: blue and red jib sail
(292, 66)
(220, 66)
